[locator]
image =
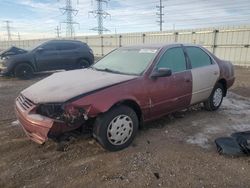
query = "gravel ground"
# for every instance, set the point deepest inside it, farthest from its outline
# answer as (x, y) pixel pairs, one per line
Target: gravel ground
(174, 151)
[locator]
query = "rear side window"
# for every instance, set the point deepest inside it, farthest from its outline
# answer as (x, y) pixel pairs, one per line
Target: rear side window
(198, 57)
(67, 46)
(173, 59)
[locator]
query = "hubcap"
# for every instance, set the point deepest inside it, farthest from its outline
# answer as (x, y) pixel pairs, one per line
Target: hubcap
(25, 72)
(218, 95)
(120, 130)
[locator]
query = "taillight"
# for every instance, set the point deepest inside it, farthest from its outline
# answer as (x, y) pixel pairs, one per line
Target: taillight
(91, 51)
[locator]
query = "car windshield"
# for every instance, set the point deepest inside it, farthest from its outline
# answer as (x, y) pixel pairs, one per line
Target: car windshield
(35, 46)
(126, 61)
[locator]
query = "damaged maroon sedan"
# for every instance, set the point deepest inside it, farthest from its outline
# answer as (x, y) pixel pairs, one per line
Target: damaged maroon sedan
(129, 86)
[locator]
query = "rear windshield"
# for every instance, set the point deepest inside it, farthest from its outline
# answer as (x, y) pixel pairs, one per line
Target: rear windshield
(127, 61)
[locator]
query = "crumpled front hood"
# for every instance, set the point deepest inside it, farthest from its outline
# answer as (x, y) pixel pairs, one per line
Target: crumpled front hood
(63, 86)
(14, 50)
(21, 56)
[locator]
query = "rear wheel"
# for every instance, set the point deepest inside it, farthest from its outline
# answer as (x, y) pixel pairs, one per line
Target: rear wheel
(215, 99)
(82, 63)
(116, 129)
(23, 71)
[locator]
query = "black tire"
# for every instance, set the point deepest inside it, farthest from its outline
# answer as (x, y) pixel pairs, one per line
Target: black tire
(23, 71)
(103, 126)
(82, 63)
(212, 104)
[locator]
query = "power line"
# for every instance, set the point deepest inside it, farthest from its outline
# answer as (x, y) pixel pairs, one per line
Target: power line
(189, 22)
(70, 12)
(160, 14)
(100, 14)
(8, 29)
(181, 3)
(177, 9)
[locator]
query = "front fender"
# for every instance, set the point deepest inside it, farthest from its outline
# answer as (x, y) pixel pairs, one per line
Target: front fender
(22, 58)
(96, 106)
(102, 101)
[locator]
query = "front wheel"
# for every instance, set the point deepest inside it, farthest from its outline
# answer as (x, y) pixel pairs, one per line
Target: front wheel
(116, 129)
(23, 71)
(215, 99)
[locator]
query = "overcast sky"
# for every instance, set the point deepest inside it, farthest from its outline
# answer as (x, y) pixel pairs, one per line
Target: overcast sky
(39, 18)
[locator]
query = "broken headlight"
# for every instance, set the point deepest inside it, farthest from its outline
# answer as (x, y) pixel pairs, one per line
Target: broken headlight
(69, 114)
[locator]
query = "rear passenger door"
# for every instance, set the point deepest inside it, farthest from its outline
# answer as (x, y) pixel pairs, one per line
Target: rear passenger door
(205, 73)
(68, 54)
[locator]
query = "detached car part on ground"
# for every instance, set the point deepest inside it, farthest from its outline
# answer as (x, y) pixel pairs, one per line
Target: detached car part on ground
(51, 55)
(129, 86)
(236, 145)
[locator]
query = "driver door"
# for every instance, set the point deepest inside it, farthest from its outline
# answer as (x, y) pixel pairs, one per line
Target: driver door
(47, 57)
(173, 92)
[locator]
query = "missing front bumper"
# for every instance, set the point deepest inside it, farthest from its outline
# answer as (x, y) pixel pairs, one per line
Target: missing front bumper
(2, 69)
(39, 128)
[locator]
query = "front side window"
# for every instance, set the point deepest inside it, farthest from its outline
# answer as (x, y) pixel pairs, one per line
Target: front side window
(198, 57)
(126, 61)
(173, 59)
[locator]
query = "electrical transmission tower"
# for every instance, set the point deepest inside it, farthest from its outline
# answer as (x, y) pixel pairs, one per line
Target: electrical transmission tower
(100, 14)
(57, 32)
(160, 14)
(70, 12)
(8, 29)
(18, 36)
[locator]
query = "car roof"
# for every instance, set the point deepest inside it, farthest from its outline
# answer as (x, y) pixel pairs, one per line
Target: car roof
(158, 45)
(64, 40)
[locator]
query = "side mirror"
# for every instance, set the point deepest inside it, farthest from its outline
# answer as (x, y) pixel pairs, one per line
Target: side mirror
(161, 72)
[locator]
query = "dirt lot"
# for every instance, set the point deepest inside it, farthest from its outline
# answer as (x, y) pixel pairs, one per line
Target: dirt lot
(170, 152)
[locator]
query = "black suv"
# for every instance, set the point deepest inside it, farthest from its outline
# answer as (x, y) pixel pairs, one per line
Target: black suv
(51, 55)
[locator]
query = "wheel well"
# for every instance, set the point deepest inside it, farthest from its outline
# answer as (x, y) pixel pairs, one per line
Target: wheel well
(223, 82)
(132, 104)
(81, 58)
(85, 59)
